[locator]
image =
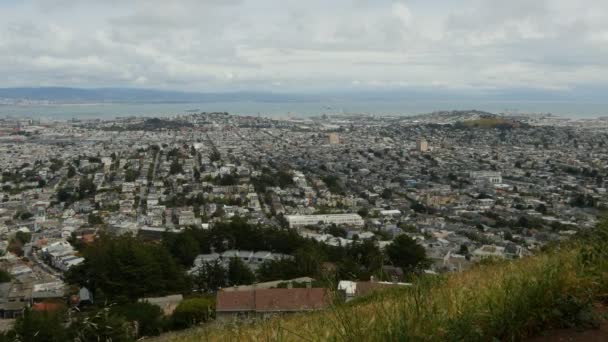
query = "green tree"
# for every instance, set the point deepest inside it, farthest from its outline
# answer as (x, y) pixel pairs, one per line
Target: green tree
(239, 273)
(184, 247)
(101, 325)
(215, 156)
(149, 317)
(176, 167)
(5, 277)
(23, 237)
(192, 311)
(308, 261)
(71, 171)
(124, 268)
(404, 252)
(41, 326)
(95, 219)
(209, 277)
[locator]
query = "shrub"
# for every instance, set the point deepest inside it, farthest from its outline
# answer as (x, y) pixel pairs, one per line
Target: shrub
(149, 317)
(192, 312)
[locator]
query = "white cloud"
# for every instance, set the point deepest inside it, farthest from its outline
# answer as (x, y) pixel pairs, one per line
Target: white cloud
(243, 44)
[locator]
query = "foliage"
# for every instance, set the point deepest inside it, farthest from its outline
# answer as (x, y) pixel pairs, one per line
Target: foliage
(209, 277)
(504, 301)
(5, 277)
(176, 167)
(184, 247)
(239, 273)
(192, 311)
(95, 219)
(228, 179)
(215, 156)
(126, 268)
(149, 317)
(40, 326)
(23, 237)
(404, 252)
(101, 325)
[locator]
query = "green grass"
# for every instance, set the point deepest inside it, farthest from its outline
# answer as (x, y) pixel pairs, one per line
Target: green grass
(501, 301)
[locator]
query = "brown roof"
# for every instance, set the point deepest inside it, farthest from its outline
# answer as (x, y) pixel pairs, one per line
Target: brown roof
(272, 300)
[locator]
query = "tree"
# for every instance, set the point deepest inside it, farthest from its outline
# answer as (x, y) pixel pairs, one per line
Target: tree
(5, 277)
(239, 273)
(337, 231)
(404, 252)
(95, 219)
(101, 325)
(71, 171)
(65, 195)
(541, 208)
(40, 326)
(209, 277)
(464, 250)
(23, 237)
(278, 269)
(149, 317)
(86, 187)
(308, 261)
(215, 156)
(184, 247)
(131, 175)
(191, 312)
(175, 167)
(387, 194)
(363, 212)
(124, 268)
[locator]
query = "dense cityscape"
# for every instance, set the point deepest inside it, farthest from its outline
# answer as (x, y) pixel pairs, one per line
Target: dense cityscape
(152, 210)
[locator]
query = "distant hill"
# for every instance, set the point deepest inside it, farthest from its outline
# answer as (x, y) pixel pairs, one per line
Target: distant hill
(101, 95)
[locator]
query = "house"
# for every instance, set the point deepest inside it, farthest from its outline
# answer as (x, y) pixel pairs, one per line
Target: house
(351, 289)
(489, 251)
(264, 302)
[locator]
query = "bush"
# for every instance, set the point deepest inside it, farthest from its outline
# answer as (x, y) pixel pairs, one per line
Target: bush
(192, 312)
(5, 277)
(149, 317)
(40, 326)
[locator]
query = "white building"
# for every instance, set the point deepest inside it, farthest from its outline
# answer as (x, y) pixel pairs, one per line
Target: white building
(489, 176)
(311, 220)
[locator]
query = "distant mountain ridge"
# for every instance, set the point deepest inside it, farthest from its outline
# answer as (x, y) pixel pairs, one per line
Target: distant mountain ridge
(88, 95)
(414, 94)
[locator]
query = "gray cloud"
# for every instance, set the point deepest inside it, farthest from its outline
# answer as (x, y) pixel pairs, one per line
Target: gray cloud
(294, 45)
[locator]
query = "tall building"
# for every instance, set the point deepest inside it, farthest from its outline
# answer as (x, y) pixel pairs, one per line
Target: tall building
(333, 138)
(422, 145)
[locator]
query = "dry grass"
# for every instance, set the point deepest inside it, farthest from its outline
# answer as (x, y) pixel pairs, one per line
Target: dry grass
(499, 301)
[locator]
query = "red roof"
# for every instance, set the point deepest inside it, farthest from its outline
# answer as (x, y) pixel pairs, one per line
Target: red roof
(47, 306)
(272, 300)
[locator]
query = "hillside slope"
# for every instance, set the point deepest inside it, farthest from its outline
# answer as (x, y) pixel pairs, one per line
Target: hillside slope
(501, 300)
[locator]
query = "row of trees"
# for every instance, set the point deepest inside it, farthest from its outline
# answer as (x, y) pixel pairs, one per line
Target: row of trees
(123, 269)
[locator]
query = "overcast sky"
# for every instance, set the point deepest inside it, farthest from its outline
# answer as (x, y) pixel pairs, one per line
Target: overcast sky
(294, 45)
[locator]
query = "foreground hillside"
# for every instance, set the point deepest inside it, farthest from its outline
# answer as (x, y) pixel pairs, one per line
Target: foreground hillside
(506, 301)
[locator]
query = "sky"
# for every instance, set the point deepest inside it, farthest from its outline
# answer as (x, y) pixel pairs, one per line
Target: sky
(305, 46)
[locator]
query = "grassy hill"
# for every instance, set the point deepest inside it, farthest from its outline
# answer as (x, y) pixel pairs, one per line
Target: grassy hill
(506, 300)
